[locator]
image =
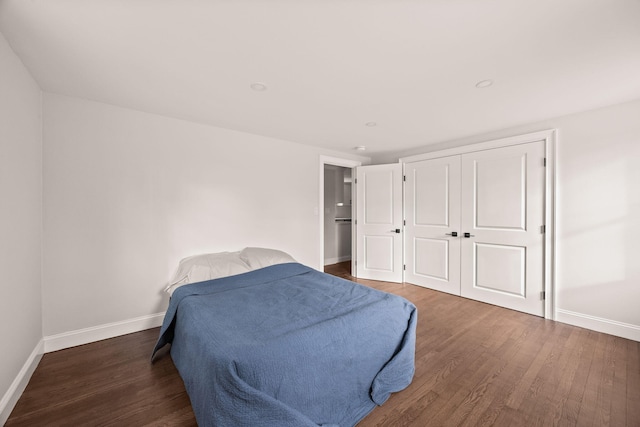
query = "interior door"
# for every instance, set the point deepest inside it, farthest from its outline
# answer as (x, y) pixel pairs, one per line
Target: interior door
(432, 212)
(502, 247)
(379, 222)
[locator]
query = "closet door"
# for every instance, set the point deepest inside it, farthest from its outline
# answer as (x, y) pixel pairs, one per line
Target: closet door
(432, 213)
(503, 212)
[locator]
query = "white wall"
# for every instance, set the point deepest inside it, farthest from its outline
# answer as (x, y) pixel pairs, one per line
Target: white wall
(128, 194)
(20, 224)
(598, 215)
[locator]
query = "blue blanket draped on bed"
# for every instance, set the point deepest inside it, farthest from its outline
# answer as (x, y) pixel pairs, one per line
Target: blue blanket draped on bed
(287, 345)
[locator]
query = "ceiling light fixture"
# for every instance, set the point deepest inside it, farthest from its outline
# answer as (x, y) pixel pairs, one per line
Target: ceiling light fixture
(484, 83)
(360, 148)
(258, 87)
(371, 124)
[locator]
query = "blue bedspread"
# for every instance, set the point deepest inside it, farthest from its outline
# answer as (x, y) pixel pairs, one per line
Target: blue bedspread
(287, 345)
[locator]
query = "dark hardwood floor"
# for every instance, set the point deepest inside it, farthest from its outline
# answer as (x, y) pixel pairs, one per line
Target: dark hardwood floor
(476, 365)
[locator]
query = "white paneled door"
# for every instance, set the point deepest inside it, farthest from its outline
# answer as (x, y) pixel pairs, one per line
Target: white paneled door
(432, 249)
(379, 222)
(474, 225)
(502, 254)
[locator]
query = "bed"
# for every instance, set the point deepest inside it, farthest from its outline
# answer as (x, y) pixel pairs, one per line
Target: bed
(282, 344)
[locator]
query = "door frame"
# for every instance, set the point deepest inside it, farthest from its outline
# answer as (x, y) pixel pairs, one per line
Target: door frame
(549, 136)
(345, 163)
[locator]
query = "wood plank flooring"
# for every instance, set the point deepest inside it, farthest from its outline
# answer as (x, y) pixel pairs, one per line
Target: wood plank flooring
(476, 365)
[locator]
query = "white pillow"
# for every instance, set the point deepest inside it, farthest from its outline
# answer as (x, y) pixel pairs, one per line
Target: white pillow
(199, 268)
(263, 257)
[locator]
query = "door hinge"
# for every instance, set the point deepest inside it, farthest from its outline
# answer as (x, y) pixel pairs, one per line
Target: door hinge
(355, 181)
(543, 229)
(404, 178)
(543, 295)
(544, 162)
(404, 222)
(355, 222)
(404, 267)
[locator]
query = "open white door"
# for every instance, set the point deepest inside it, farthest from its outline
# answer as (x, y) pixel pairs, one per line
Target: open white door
(379, 222)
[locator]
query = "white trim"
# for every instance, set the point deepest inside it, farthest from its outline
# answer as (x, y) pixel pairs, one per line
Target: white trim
(101, 332)
(335, 161)
(607, 326)
(487, 145)
(11, 397)
(550, 224)
(549, 137)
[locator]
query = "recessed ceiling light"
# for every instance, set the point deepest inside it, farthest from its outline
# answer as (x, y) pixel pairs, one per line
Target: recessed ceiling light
(258, 87)
(360, 148)
(484, 83)
(371, 124)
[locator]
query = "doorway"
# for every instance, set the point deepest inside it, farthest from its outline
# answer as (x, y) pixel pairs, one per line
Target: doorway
(336, 210)
(337, 214)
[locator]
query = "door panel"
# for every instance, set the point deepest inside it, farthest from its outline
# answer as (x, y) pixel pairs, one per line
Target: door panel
(379, 215)
(432, 192)
(379, 253)
(503, 211)
(433, 259)
(491, 273)
(499, 191)
(378, 188)
(432, 184)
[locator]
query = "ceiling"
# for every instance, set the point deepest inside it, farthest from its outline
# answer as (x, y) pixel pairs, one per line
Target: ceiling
(330, 67)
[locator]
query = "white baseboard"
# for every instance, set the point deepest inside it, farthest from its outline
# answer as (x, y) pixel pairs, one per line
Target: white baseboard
(611, 327)
(329, 261)
(10, 398)
(101, 332)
